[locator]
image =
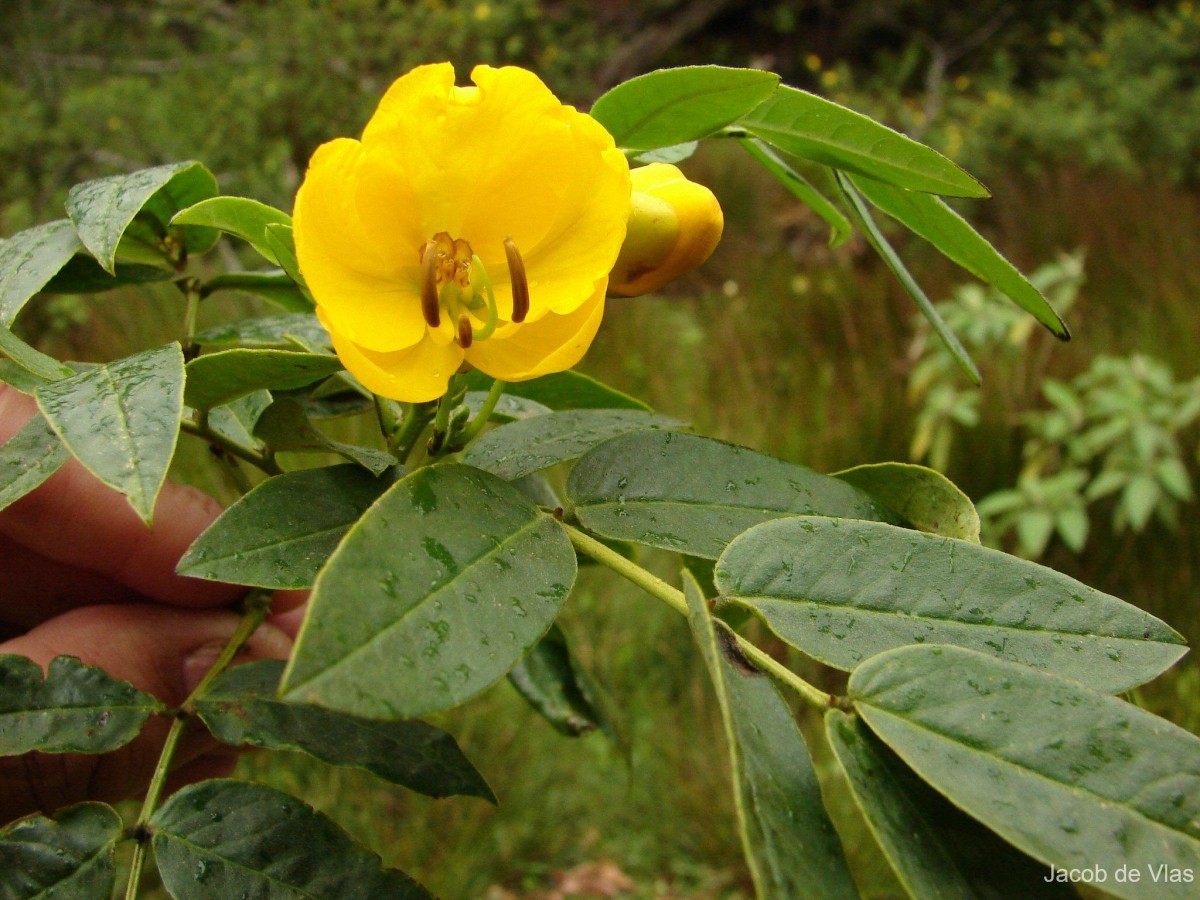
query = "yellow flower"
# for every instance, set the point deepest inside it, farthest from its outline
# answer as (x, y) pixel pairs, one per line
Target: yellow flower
(469, 223)
(674, 226)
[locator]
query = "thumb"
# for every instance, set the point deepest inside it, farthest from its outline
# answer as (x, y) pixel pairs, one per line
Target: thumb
(160, 650)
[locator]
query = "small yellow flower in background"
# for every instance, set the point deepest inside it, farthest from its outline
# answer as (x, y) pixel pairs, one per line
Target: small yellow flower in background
(674, 226)
(469, 223)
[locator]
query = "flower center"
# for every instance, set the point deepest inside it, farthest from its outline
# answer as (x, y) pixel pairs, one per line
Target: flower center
(448, 267)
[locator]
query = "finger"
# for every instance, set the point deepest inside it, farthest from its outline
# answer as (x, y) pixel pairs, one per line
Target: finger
(76, 519)
(160, 650)
(37, 589)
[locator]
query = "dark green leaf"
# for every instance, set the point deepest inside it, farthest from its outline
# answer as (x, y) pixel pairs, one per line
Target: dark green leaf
(66, 857)
(121, 420)
(28, 458)
(36, 363)
(1073, 777)
(672, 106)
(285, 426)
(563, 390)
(274, 286)
(695, 494)
(930, 217)
(239, 216)
(282, 532)
(445, 583)
(225, 838)
(811, 127)
(75, 709)
(924, 498)
(281, 332)
(236, 420)
(217, 378)
(102, 209)
(551, 682)
(241, 708)
(937, 852)
(530, 445)
(888, 255)
(29, 259)
(83, 275)
(787, 837)
(842, 591)
(797, 184)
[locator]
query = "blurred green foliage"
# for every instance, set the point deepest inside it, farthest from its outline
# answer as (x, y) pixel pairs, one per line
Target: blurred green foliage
(89, 87)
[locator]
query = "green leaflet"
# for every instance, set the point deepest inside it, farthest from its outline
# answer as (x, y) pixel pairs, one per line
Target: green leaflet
(282, 532)
(28, 458)
(925, 498)
(529, 445)
(74, 709)
(279, 332)
(1072, 777)
(673, 106)
(811, 127)
(66, 857)
(239, 216)
(938, 852)
(218, 378)
(788, 839)
(28, 260)
(930, 217)
(694, 494)
(445, 583)
(104, 208)
(121, 420)
(241, 708)
(284, 425)
(225, 838)
(842, 591)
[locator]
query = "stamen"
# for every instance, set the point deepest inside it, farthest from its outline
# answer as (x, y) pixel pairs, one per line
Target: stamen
(429, 287)
(465, 335)
(520, 284)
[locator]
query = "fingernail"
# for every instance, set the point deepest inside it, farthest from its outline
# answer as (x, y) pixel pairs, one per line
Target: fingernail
(199, 661)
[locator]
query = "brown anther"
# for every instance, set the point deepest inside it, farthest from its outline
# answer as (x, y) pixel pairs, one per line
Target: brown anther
(429, 287)
(520, 284)
(465, 334)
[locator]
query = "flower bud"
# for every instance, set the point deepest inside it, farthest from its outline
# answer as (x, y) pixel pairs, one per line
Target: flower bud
(674, 226)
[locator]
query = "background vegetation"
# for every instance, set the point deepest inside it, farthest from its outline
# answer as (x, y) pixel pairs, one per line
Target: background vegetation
(1083, 118)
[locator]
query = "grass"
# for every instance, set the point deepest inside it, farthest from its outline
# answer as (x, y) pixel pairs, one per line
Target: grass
(800, 352)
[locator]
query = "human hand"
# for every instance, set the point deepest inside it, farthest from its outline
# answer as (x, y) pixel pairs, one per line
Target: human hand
(83, 576)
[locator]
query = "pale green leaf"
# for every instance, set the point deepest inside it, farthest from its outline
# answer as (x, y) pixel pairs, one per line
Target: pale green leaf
(924, 498)
(843, 590)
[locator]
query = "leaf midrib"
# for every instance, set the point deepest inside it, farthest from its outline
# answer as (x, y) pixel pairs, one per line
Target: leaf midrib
(383, 632)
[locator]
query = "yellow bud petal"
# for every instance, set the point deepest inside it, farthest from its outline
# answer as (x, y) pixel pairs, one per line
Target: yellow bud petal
(674, 226)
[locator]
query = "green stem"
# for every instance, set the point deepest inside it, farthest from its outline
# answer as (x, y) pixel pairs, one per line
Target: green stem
(441, 425)
(191, 294)
(255, 608)
(481, 418)
(415, 420)
(264, 461)
(675, 599)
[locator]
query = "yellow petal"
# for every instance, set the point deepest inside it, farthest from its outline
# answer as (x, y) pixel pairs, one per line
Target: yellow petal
(554, 343)
(374, 300)
(420, 373)
(506, 159)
